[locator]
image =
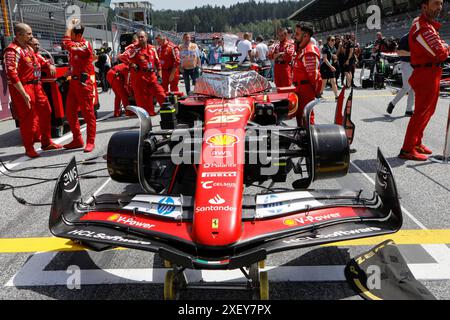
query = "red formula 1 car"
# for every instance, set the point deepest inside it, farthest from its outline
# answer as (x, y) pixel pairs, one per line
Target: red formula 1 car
(196, 211)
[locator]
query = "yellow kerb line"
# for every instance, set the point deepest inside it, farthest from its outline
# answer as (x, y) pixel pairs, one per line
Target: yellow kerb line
(18, 245)
(401, 237)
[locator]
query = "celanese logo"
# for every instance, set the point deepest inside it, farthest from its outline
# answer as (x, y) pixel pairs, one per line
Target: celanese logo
(210, 184)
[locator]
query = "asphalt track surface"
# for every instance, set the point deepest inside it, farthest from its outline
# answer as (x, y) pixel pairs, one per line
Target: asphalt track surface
(34, 265)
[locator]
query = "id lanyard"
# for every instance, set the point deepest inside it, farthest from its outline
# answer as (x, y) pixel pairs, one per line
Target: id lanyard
(37, 71)
(37, 68)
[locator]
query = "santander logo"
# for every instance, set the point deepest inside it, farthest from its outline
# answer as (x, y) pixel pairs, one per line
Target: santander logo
(216, 200)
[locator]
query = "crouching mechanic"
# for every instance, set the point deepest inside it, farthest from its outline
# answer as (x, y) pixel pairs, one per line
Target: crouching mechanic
(117, 78)
(81, 93)
(22, 69)
(143, 61)
(42, 123)
(306, 71)
(428, 52)
(169, 55)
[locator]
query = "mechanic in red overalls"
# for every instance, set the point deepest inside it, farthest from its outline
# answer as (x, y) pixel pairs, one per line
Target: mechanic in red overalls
(143, 62)
(428, 52)
(81, 93)
(22, 69)
(42, 122)
(282, 54)
(306, 70)
(169, 56)
(117, 78)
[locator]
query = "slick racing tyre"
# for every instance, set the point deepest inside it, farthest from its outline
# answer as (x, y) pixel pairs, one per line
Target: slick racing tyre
(122, 156)
(331, 155)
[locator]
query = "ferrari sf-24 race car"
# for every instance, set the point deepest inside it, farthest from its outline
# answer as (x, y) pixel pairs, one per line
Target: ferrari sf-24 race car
(195, 170)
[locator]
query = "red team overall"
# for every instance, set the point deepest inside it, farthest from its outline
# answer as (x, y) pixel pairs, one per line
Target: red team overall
(118, 80)
(81, 90)
(143, 62)
(23, 71)
(306, 71)
(428, 52)
(283, 54)
(169, 56)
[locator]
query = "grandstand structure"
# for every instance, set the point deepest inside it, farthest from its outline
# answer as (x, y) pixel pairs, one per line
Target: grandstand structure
(48, 19)
(347, 16)
(132, 16)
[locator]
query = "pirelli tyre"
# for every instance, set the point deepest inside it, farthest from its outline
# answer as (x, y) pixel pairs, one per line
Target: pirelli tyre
(331, 153)
(122, 156)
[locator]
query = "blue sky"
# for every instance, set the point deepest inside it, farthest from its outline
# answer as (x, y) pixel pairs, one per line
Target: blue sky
(190, 4)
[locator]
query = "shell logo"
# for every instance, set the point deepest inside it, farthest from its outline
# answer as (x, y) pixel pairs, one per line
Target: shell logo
(114, 217)
(290, 222)
(222, 140)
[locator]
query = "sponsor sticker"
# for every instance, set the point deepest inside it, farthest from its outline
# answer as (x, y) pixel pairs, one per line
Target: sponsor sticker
(273, 207)
(221, 154)
(165, 206)
(225, 119)
(114, 217)
(222, 140)
(215, 223)
(70, 180)
(129, 221)
(217, 200)
(219, 174)
(170, 207)
(333, 235)
(215, 165)
(103, 236)
(211, 184)
(312, 218)
(214, 208)
(229, 111)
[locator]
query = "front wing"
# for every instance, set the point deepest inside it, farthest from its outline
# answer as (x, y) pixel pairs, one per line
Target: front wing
(271, 223)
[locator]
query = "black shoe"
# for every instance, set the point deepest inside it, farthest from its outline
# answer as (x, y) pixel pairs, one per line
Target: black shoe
(390, 108)
(409, 113)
